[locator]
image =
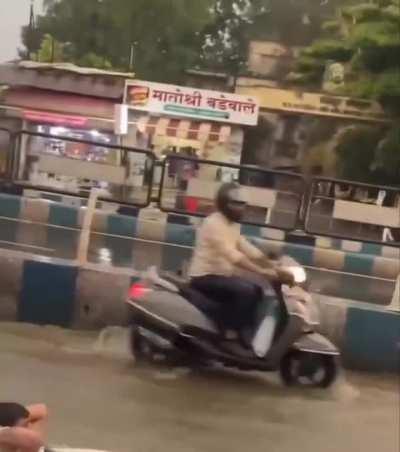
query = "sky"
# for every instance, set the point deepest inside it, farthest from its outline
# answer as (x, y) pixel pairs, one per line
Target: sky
(14, 14)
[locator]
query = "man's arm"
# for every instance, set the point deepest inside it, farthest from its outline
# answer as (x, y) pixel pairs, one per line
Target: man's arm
(255, 254)
(21, 439)
(238, 256)
(246, 264)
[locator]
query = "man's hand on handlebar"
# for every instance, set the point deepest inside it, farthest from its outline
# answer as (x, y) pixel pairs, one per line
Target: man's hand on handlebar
(279, 275)
(285, 277)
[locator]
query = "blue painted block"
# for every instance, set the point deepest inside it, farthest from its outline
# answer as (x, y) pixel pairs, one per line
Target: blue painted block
(371, 248)
(372, 340)
(251, 231)
(10, 206)
(180, 234)
(358, 263)
(8, 230)
(60, 215)
(302, 254)
(47, 294)
(121, 225)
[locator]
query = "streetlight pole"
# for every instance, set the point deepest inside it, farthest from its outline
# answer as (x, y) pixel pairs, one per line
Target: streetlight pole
(132, 57)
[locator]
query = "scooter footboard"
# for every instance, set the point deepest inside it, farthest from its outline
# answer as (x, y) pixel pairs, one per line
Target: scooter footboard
(316, 343)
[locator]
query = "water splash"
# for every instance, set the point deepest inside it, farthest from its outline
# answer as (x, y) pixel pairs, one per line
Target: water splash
(113, 341)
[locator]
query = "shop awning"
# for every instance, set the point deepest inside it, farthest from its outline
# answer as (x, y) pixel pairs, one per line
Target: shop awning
(184, 128)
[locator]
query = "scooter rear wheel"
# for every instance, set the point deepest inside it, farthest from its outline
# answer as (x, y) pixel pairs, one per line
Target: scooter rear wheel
(145, 351)
(141, 348)
(308, 369)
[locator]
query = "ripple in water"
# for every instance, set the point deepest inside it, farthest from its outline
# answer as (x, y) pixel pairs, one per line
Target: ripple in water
(113, 341)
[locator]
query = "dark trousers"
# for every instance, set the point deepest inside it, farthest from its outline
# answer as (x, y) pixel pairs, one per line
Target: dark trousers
(237, 296)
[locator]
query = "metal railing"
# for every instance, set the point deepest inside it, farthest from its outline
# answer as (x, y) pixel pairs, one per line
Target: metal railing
(186, 186)
(353, 211)
(273, 198)
(52, 164)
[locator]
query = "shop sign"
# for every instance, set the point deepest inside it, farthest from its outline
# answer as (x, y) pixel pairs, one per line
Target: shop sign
(158, 98)
(51, 118)
(316, 104)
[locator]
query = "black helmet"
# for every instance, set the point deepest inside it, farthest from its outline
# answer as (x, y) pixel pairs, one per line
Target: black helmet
(228, 202)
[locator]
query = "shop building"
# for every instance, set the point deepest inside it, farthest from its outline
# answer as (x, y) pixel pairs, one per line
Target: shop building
(185, 121)
(64, 101)
(72, 115)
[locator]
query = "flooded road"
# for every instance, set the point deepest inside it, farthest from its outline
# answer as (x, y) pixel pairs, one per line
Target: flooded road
(99, 399)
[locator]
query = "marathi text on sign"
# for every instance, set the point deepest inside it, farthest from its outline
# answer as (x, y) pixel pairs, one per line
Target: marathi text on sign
(201, 104)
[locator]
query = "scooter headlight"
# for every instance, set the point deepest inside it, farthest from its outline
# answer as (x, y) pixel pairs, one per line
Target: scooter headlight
(299, 274)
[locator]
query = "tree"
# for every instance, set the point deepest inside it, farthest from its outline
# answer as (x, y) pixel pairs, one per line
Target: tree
(365, 39)
(32, 38)
(227, 37)
(164, 35)
(50, 51)
(235, 23)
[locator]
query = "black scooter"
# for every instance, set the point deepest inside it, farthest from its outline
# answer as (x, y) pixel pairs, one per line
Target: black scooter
(169, 320)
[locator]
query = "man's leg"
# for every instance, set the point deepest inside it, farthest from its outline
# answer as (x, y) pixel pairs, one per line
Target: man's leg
(238, 296)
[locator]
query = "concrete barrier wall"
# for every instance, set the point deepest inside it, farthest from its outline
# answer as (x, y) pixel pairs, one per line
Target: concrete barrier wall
(11, 281)
(151, 224)
(90, 297)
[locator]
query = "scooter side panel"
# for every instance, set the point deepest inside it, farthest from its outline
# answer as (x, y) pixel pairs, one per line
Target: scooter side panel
(175, 310)
(285, 341)
(316, 343)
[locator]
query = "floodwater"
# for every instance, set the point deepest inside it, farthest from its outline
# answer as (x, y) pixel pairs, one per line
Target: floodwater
(99, 399)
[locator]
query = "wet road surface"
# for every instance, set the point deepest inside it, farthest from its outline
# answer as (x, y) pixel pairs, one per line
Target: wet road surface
(99, 399)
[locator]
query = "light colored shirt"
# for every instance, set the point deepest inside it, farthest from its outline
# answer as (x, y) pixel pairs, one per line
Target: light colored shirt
(219, 248)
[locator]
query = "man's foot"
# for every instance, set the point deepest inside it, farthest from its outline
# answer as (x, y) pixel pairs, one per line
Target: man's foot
(237, 349)
(231, 335)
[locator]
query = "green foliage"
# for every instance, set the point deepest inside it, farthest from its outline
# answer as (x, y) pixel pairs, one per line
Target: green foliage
(370, 154)
(367, 35)
(368, 40)
(96, 61)
(32, 39)
(331, 26)
(169, 36)
(50, 51)
(356, 153)
(329, 49)
(165, 35)
(387, 157)
(362, 12)
(227, 36)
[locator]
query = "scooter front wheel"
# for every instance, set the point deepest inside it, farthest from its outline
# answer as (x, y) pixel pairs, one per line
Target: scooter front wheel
(308, 369)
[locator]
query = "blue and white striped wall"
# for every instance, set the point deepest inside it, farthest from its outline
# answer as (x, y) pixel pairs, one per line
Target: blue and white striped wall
(152, 225)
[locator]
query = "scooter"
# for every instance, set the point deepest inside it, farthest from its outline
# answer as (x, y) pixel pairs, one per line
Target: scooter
(172, 321)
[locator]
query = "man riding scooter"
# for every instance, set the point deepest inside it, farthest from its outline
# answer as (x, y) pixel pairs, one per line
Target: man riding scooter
(220, 253)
